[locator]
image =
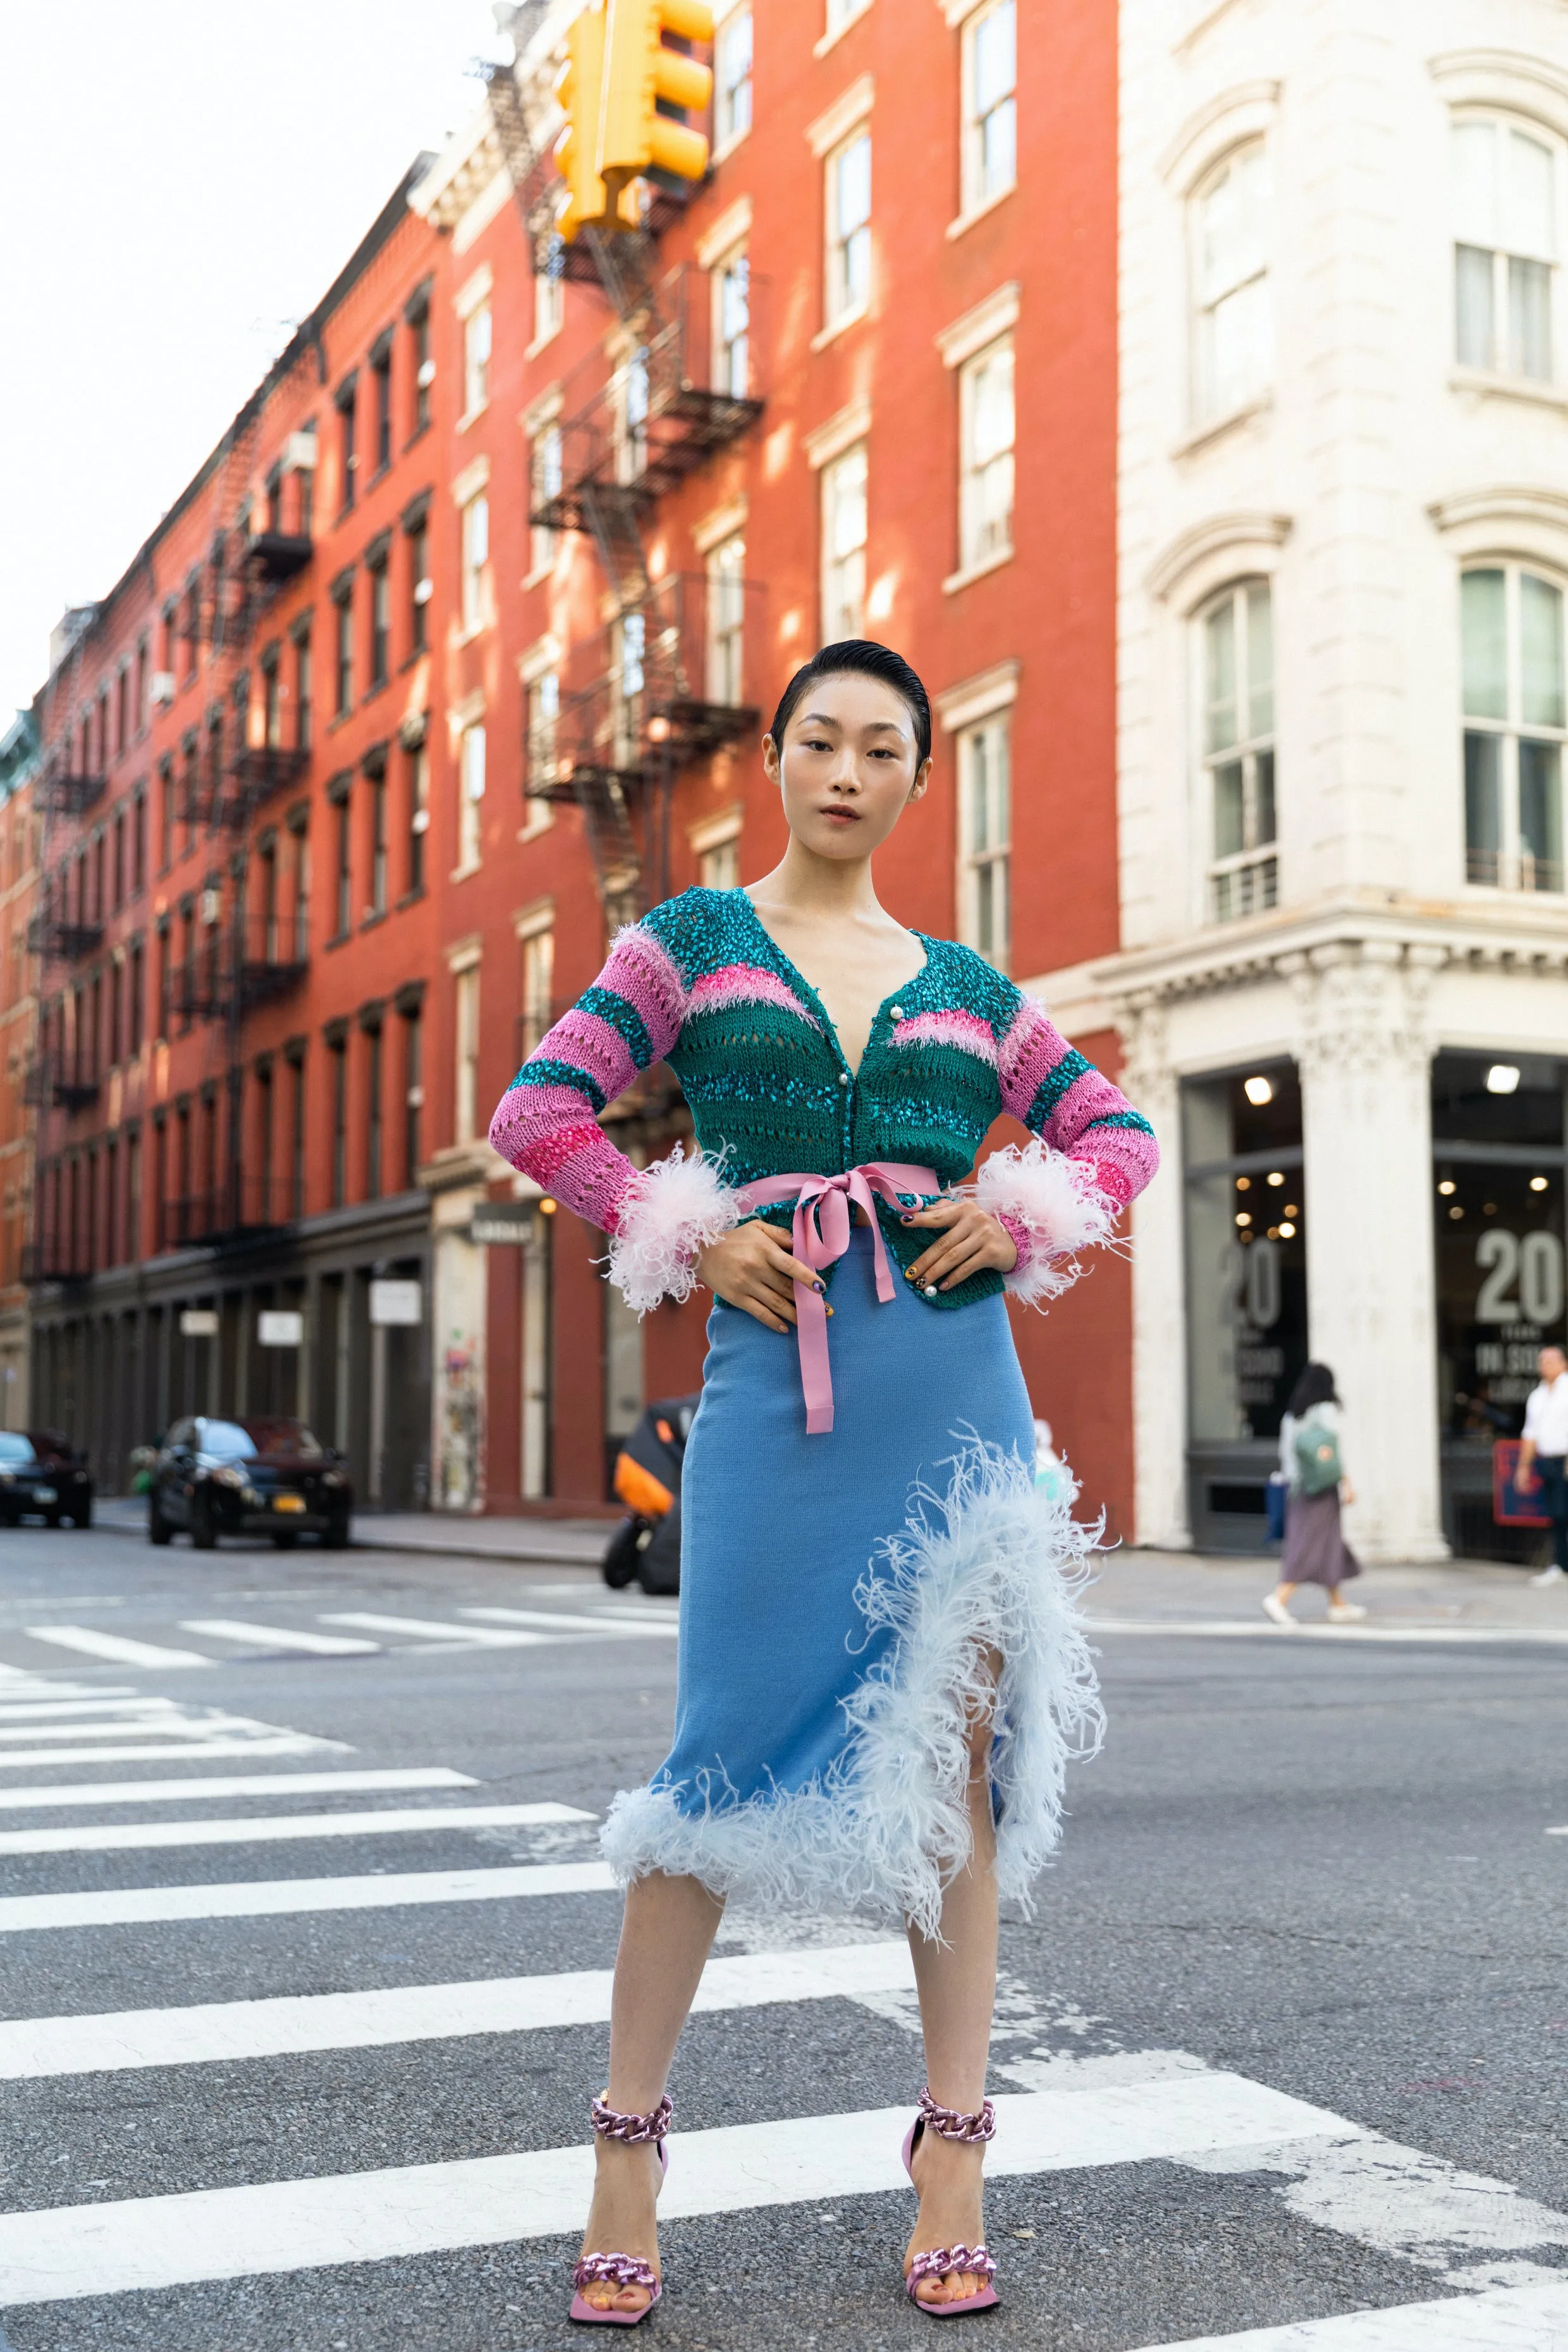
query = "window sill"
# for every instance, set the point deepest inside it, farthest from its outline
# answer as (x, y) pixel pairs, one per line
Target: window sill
(418, 435)
(470, 416)
(966, 220)
(973, 571)
(410, 898)
(830, 334)
(338, 939)
(721, 154)
(1482, 384)
(377, 685)
(408, 661)
(542, 342)
(463, 873)
(371, 917)
(536, 827)
(339, 718)
(1215, 428)
(380, 475)
(342, 514)
(540, 575)
(1502, 893)
(467, 635)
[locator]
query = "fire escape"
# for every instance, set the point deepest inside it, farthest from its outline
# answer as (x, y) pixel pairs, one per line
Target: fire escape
(664, 686)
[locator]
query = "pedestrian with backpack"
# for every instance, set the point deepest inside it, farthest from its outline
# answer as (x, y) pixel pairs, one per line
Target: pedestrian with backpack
(1315, 1549)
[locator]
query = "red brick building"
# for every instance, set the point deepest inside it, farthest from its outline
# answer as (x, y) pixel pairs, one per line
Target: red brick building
(20, 837)
(862, 382)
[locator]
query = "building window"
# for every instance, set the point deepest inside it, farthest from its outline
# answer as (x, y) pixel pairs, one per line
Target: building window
(467, 1105)
(1515, 727)
(137, 995)
(381, 376)
(297, 1135)
(547, 480)
(420, 587)
(302, 689)
(1505, 253)
(843, 545)
(985, 834)
(1236, 641)
(537, 990)
(424, 365)
(378, 845)
(476, 335)
(343, 625)
(719, 865)
(726, 617)
(338, 1055)
(549, 298)
(342, 908)
(373, 1112)
(470, 793)
(418, 817)
(268, 859)
(272, 699)
(347, 408)
(732, 78)
(849, 207)
(629, 682)
(264, 1140)
(841, 12)
(543, 713)
(990, 104)
(1233, 326)
(166, 805)
(733, 324)
(380, 624)
(986, 428)
(301, 897)
(476, 555)
(165, 979)
(413, 1095)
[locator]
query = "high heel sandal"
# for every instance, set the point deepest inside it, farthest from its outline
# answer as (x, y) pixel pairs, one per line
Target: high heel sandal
(943, 2260)
(621, 2270)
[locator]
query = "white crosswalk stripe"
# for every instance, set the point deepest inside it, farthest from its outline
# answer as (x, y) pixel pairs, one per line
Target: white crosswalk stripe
(434, 1629)
(236, 1784)
(280, 1637)
(1513, 2320)
(123, 1837)
(601, 1628)
(275, 1897)
(285, 1743)
(115, 1648)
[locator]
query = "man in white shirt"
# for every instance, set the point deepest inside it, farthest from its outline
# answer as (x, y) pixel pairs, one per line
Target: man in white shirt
(1543, 1457)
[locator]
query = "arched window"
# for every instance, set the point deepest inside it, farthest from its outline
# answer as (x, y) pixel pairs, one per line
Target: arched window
(1232, 335)
(1516, 723)
(1235, 666)
(1507, 195)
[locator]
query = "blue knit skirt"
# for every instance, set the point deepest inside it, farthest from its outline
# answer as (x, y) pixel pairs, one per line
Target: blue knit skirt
(840, 1595)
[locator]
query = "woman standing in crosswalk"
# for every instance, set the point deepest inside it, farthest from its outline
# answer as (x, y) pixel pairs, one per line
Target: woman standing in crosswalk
(881, 1673)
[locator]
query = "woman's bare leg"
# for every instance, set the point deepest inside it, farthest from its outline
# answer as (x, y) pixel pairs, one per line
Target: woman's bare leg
(667, 1933)
(956, 1979)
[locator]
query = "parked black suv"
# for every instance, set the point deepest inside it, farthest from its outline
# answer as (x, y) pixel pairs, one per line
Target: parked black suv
(42, 1476)
(258, 1476)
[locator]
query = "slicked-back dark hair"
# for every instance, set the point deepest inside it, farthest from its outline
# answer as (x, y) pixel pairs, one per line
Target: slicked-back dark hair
(1315, 1386)
(864, 657)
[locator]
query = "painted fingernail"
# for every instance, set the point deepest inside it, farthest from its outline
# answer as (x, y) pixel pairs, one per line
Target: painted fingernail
(820, 1289)
(830, 1311)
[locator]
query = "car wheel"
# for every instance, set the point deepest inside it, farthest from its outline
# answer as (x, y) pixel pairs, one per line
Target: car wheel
(203, 1534)
(52, 1518)
(285, 1539)
(83, 1515)
(623, 1555)
(336, 1536)
(158, 1529)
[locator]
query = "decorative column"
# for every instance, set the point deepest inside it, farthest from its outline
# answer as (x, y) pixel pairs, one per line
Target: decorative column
(1364, 1057)
(1161, 1517)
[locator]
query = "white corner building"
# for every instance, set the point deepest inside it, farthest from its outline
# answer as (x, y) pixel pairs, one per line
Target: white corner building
(1343, 572)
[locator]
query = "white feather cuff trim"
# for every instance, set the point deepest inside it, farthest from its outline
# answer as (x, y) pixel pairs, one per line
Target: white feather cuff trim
(668, 1214)
(1060, 1207)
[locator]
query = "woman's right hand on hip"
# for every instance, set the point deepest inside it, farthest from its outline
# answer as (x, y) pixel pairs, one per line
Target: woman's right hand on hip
(753, 1267)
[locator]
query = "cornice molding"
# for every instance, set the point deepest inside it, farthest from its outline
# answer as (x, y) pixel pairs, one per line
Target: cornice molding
(1240, 112)
(1214, 535)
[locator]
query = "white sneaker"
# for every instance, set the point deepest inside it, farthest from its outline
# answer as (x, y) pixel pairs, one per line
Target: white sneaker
(1274, 1607)
(1344, 1612)
(1552, 1575)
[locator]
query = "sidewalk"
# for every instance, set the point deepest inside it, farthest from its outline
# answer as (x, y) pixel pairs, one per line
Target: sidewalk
(551, 1543)
(1191, 1592)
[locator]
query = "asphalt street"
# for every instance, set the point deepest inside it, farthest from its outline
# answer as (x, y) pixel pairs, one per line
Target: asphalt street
(303, 1945)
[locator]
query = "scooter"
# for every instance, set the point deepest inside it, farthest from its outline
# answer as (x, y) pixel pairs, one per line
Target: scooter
(646, 1547)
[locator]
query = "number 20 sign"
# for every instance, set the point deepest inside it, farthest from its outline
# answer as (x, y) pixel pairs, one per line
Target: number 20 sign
(1534, 1264)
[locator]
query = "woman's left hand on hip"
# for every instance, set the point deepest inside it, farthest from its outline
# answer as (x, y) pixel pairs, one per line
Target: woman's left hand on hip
(971, 1241)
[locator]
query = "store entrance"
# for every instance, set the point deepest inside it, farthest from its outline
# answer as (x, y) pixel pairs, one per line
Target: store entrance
(1246, 1291)
(1498, 1163)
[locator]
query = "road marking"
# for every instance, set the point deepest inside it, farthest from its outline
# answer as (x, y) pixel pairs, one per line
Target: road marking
(152, 1719)
(362, 2020)
(115, 1648)
(283, 1743)
(606, 1627)
(238, 1784)
(124, 1701)
(121, 2246)
(280, 1637)
(431, 1629)
(280, 1897)
(1243, 1629)
(121, 1836)
(1506, 2319)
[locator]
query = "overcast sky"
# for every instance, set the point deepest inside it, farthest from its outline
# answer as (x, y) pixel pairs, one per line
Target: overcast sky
(180, 181)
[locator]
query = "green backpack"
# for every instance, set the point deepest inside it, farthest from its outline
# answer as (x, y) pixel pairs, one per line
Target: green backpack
(1318, 1463)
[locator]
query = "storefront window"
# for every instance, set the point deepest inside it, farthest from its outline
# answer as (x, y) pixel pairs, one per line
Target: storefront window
(1246, 1288)
(1497, 1147)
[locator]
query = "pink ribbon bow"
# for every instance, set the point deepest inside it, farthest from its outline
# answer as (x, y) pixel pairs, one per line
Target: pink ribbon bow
(820, 1237)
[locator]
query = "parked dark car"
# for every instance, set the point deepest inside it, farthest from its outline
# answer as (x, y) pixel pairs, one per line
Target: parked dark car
(42, 1476)
(259, 1475)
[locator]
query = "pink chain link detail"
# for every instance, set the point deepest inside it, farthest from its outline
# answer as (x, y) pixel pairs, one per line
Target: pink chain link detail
(612, 2269)
(636, 2130)
(948, 2124)
(944, 2260)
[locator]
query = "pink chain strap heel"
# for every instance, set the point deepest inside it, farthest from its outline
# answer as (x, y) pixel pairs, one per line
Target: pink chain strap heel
(621, 2270)
(975, 2130)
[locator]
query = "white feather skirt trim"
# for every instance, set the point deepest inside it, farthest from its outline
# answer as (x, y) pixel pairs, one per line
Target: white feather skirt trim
(1059, 1204)
(994, 1564)
(668, 1214)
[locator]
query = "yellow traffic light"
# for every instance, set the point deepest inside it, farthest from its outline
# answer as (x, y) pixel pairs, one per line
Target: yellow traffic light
(579, 88)
(637, 70)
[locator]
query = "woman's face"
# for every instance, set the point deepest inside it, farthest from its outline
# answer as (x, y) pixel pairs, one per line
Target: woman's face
(848, 765)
